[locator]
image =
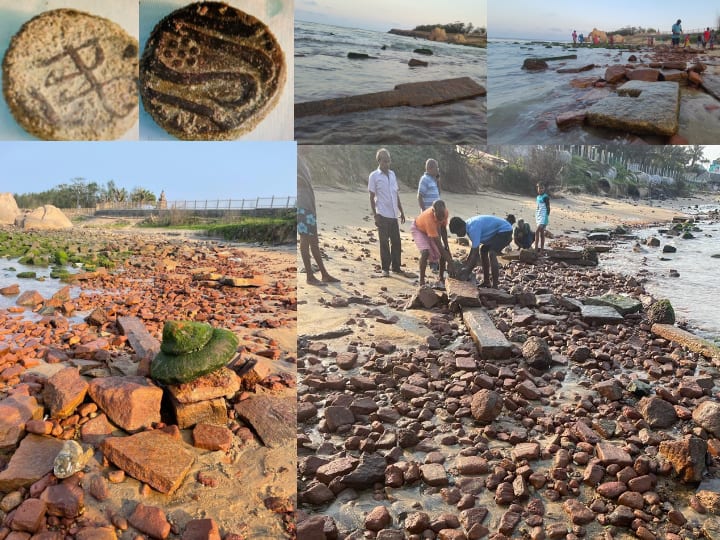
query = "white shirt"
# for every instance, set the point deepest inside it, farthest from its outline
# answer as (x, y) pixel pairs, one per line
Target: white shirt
(385, 188)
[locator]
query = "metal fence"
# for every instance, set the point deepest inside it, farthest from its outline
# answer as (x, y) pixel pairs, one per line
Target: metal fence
(259, 203)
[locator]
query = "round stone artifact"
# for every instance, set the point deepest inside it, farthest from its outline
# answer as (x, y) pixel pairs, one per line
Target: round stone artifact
(70, 75)
(210, 72)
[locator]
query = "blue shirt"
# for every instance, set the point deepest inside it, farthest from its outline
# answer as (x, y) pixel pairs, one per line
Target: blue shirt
(428, 190)
(480, 229)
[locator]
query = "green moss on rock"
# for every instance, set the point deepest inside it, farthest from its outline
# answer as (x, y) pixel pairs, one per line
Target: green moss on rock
(171, 369)
(27, 275)
(661, 312)
(184, 337)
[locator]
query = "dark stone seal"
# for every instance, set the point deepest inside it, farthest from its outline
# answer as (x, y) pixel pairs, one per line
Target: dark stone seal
(210, 72)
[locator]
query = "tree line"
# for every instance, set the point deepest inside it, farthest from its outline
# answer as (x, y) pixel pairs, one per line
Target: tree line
(81, 193)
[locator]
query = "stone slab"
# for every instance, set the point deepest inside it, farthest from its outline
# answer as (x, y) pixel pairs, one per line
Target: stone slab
(221, 383)
(686, 339)
(144, 344)
(639, 107)
(624, 305)
(491, 343)
(462, 293)
(272, 418)
(418, 94)
(132, 403)
(711, 84)
(212, 411)
(153, 457)
(600, 314)
(15, 411)
(32, 460)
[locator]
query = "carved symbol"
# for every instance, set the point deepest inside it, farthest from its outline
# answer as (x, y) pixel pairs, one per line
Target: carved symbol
(66, 67)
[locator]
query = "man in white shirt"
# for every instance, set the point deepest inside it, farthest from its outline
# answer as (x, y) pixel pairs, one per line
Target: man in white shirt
(386, 206)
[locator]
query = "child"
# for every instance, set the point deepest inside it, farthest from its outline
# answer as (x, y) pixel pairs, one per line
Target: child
(542, 217)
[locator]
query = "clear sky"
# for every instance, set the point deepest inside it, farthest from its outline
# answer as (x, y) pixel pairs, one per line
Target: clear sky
(382, 15)
(556, 19)
(185, 170)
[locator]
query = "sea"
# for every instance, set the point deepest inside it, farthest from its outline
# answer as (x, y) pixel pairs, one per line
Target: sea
(696, 263)
(322, 71)
(522, 105)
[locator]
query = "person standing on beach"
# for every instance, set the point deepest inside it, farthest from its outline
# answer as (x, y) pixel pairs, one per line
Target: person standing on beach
(574, 36)
(489, 235)
(427, 231)
(706, 37)
(386, 206)
(307, 227)
(542, 217)
(429, 185)
(676, 32)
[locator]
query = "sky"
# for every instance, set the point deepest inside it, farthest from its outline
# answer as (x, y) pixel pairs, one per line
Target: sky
(382, 15)
(711, 153)
(186, 171)
(556, 19)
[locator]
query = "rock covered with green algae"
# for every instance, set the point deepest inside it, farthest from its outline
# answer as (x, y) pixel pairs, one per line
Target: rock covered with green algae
(183, 337)
(199, 358)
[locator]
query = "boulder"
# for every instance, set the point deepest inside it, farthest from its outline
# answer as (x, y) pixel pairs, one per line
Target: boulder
(534, 64)
(151, 520)
(537, 353)
(414, 62)
(657, 412)
(15, 411)
(272, 418)
(486, 406)
(9, 210)
(707, 416)
(615, 74)
(188, 355)
(32, 460)
(623, 304)
(687, 457)
(661, 312)
(44, 218)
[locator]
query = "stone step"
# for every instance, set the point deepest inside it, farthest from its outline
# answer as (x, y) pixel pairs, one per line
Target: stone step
(490, 341)
(419, 94)
(686, 339)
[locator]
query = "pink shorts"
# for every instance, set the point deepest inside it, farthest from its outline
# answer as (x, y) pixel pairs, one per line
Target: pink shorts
(424, 242)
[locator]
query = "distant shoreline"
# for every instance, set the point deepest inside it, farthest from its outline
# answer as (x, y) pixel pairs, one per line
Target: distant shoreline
(469, 40)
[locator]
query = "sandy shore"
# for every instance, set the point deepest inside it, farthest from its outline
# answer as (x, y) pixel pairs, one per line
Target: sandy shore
(348, 238)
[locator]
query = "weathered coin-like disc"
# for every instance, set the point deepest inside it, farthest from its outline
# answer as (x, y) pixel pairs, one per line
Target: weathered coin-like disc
(69, 75)
(210, 72)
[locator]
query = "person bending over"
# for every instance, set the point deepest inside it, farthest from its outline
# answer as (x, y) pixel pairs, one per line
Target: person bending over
(427, 230)
(489, 235)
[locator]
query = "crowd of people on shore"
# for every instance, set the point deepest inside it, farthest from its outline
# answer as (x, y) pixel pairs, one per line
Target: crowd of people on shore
(488, 235)
(705, 39)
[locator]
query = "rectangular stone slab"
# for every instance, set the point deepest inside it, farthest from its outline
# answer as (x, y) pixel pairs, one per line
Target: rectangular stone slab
(711, 84)
(686, 339)
(153, 457)
(419, 94)
(272, 418)
(463, 293)
(639, 107)
(600, 314)
(144, 344)
(489, 340)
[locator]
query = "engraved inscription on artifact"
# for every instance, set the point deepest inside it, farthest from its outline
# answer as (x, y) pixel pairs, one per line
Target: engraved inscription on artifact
(69, 75)
(210, 72)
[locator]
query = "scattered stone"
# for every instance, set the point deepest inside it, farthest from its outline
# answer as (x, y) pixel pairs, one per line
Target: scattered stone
(490, 341)
(657, 412)
(150, 520)
(537, 353)
(273, 419)
(624, 305)
(15, 411)
(212, 437)
(132, 403)
(71, 459)
(687, 457)
(661, 312)
(64, 500)
(64, 391)
(29, 516)
(152, 457)
(486, 406)
(201, 529)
